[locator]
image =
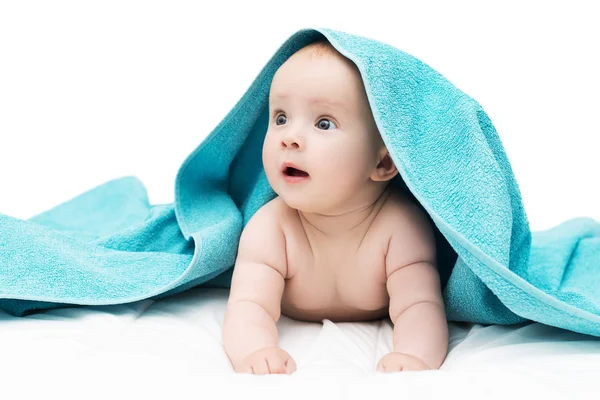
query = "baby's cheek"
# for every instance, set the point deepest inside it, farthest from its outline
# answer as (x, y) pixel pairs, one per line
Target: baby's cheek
(269, 165)
(352, 163)
(266, 150)
(341, 179)
(332, 170)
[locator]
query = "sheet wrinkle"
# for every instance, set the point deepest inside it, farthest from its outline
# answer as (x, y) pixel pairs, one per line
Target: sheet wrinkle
(143, 309)
(375, 359)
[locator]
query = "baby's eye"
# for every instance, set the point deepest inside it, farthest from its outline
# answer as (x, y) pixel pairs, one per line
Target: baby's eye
(280, 119)
(325, 123)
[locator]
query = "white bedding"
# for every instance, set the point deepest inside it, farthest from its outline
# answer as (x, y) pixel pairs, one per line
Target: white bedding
(172, 347)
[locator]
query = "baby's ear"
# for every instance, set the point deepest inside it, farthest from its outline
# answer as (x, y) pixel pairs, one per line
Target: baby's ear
(386, 169)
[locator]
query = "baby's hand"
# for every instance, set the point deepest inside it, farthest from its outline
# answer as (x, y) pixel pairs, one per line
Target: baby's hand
(393, 362)
(270, 360)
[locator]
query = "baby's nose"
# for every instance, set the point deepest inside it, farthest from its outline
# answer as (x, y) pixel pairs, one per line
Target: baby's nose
(290, 143)
(293, 141)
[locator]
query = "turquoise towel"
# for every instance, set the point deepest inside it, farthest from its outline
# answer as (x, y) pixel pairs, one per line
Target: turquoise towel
(109, 245)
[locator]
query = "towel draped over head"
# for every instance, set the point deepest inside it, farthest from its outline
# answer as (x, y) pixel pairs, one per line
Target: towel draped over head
(109, 245)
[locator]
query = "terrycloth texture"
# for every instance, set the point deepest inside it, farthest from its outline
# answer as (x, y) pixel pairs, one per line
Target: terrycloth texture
(110, 246)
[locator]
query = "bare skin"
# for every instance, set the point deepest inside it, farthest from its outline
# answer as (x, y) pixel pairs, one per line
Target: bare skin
(340, 244)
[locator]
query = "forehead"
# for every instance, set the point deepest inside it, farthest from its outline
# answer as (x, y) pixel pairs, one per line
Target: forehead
(318, 79)
(329, 101)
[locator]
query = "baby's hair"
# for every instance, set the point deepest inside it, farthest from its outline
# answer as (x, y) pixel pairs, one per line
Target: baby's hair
(322, 47)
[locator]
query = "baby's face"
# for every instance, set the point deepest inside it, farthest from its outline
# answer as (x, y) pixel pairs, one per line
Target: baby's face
(319, 120)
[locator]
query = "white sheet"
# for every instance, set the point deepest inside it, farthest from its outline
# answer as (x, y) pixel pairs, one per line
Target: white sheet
(172, 347)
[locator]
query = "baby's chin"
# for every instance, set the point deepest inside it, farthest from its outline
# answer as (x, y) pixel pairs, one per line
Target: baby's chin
(297, 204)
(302, 198)
(306, 204)
(297, 201)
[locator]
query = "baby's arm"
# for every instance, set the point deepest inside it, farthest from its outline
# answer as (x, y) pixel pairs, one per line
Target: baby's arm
(254, 304)
(413, 283)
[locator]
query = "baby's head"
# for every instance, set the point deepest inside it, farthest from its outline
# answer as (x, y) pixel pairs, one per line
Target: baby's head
(320, 121)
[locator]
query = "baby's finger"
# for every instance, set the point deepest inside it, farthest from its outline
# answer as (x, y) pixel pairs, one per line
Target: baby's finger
(276, 365)
(260, 367)
(290, 366)
(396, 368)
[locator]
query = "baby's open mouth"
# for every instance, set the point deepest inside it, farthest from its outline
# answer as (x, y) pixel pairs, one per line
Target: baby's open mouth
(291, 171)
(293, 174)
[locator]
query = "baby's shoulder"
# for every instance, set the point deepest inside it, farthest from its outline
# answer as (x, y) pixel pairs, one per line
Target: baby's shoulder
(264, 214)
(281, 211)
(262, 239)
(402, 214)
(396, 205)
(273, 213)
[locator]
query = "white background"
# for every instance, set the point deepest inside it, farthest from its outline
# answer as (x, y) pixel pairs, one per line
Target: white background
(92, 91)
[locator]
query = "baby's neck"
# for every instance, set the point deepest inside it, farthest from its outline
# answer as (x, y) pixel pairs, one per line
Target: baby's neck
(339, 225)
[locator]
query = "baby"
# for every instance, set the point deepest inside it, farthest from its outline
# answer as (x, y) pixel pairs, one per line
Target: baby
(338, 242)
